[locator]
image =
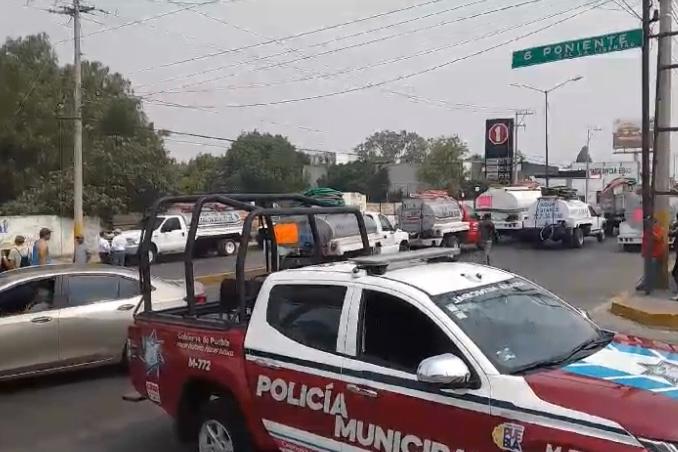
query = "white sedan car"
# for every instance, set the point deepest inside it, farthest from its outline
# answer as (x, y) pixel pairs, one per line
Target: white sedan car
(61, 317)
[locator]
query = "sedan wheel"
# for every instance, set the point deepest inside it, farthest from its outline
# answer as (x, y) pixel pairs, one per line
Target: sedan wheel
(214, 437)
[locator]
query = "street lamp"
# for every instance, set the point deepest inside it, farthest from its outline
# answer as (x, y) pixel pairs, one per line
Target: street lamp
(546, 92)
(588, 158)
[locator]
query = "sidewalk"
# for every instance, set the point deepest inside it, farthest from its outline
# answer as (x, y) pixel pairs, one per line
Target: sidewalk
(656, 310)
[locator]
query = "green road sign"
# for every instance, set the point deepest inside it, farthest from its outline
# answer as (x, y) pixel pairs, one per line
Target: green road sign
(596, 45)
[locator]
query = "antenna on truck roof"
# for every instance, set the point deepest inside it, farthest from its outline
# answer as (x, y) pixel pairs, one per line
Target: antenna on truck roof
(377, 265)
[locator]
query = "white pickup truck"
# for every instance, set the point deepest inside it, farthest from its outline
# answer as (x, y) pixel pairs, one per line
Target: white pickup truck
(340, 235)
(563, 220)
(218, 231)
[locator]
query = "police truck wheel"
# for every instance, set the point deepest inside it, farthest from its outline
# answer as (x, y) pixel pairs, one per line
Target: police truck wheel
(226, 247)
(577, 238)
(152, 254)
(222, 428)
(404, 246)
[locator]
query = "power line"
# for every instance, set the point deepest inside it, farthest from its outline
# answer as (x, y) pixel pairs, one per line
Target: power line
(392, 60)
(412, 74)
(292, 36)
(233, 140)
(140, 21)
(623, 4)
(340, 49)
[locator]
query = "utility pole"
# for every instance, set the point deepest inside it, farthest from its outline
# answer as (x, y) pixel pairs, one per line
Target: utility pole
(78, 219)
(648, 277)
(74, 11)
(588, 159)
(546, 92)
(517, 124)
(662, 141)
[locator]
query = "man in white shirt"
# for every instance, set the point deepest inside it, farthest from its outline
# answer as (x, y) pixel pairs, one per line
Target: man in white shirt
(118, 245)
(104, 248)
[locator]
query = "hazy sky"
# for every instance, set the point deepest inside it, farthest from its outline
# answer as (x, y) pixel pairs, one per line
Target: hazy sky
(380, 64)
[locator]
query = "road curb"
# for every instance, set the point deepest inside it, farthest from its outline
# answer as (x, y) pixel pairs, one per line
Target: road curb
(216, 278)
(647, 311)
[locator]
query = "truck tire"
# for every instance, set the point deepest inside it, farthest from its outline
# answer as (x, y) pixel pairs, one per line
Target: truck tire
(153, 254)
(227, 247)
(404, 246)
(577, 238)
(222, 428)
(601, 236)
(450, 241)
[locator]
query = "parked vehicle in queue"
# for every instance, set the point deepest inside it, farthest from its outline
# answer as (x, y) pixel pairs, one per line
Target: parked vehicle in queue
(630, 235)
(617, 200)
(508, 208)
(218, 230)
(339, 235)
(472, 358)
(565, 220)
(55, 318)
(432, 219)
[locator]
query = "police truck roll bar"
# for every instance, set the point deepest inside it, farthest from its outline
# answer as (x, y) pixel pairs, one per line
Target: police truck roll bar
(252, 204)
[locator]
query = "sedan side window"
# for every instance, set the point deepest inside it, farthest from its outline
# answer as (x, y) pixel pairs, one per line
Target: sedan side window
(34, 296)
(129, 288)
(87, 289)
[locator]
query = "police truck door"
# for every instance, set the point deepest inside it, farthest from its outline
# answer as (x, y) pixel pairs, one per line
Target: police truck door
(292, 363)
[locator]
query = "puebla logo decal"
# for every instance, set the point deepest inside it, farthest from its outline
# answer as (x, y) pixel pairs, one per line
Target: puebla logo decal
(509, 437)
(152, 354)
(639, 367)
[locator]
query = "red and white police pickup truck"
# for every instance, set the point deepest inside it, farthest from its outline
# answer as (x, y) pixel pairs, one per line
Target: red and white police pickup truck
(398, 353)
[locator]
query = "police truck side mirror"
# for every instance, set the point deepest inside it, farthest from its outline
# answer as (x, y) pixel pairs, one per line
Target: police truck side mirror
(446, 369)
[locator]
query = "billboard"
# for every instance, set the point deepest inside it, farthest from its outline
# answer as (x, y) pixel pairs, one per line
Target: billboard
(628, 134)
(499, 150)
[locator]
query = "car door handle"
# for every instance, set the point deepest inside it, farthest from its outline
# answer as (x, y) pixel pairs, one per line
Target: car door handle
(125, 307)
(41, 319)
(362, 391)
(265, 363)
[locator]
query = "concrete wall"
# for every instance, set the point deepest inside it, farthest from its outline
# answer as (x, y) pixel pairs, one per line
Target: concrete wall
(61, 243)
(403, 177)
(314, 172)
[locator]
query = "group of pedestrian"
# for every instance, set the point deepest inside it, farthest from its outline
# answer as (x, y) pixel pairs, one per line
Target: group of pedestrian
(112, 252)
(21, 255)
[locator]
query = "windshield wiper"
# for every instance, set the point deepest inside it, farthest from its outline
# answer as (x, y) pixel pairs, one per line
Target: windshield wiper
(596, 343)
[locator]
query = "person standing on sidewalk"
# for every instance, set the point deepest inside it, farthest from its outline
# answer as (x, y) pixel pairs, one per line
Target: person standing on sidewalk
(654, 245)
(487, 232)
(40, 254)
(673, 232)
(81, 255)
(118, 245)
(104, 248)
(19, 256)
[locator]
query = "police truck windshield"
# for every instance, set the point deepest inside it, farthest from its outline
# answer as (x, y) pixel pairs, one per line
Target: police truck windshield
(520, 326)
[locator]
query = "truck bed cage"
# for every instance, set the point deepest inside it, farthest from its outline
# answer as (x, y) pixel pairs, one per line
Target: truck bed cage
(257, 205)
(377, 265)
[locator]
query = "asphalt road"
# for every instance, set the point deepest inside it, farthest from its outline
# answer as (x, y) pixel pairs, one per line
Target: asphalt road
(83, 412)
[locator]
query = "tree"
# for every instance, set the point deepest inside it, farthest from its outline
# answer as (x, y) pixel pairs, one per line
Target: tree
(125, 165)
(443, 166)
(200, 174)
(388, 146)
(359, 176)
(260, 163)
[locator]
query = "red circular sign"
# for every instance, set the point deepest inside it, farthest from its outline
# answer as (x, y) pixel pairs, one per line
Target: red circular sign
(498, 133)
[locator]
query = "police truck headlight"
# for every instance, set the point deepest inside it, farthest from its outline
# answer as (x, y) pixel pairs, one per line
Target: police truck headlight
(658, 446)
